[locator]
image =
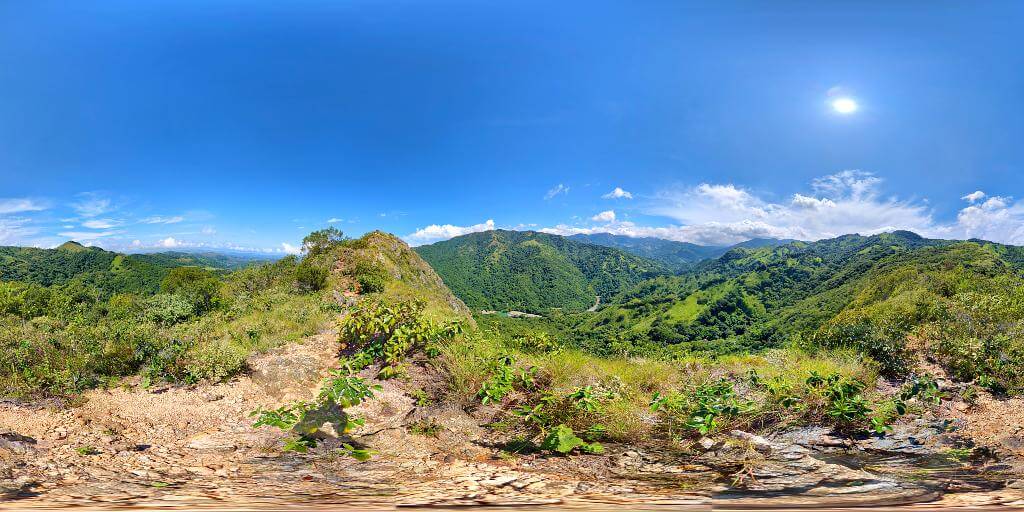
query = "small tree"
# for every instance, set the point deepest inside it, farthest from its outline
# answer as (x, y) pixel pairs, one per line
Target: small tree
(196, 285)
(321, 241)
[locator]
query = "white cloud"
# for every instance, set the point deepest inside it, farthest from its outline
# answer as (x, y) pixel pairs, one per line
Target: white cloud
(290, 249)
(15, 230)
(92, 204)
(997, 219)
(842, 203)
(101, 223)
(618, 193)
(558, 189)
(605, 216)
(814, 203)
(974, 197)
(845, 202)
(158, 219)
(437, 232)
(208, 230)
(334, 220)
(19, 205)
(712, 233)
(170, 243)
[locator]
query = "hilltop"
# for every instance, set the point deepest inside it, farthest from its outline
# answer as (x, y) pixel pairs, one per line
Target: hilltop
(533, 272)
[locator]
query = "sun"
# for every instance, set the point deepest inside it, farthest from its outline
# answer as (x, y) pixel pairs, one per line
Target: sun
(844, 105)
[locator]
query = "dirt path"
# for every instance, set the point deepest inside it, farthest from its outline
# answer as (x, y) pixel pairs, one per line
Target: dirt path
(195, 448)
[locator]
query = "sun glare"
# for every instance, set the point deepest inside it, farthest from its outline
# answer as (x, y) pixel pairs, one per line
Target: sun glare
(844, 105)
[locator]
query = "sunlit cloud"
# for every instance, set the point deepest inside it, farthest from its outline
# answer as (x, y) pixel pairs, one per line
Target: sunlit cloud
(437, 232)
(618, 193)
(839, 204)
(605, 216)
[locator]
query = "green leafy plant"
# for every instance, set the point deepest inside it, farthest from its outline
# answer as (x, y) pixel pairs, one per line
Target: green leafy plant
(563, 440)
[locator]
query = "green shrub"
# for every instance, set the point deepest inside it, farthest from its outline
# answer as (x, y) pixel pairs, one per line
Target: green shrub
(371, 278)
(310, 276)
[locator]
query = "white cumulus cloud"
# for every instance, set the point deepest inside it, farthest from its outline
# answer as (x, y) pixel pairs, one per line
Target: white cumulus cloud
(605, 216)
(437, 232)
(842, 203)
(974, 197)
(618, 193)
(290, 249)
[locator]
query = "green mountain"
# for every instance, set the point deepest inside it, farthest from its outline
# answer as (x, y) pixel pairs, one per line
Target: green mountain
(531, 271)
(752, 297)
(108, 271)
(676, 256)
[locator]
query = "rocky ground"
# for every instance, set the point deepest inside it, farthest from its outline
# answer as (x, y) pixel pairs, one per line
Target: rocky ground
(195, 447)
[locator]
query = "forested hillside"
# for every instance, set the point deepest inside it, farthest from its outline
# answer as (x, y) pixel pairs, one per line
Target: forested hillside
(873, 293)
(530, 271)
(676, 256)
(106, 271)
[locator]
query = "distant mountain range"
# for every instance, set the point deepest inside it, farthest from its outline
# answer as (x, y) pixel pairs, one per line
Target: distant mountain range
(105, 270)
(675, 256)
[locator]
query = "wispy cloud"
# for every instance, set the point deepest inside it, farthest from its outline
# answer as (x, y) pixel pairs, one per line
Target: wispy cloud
(92, 204)
(83, 236)
(437, 232)
(15, 229)
(557, 190)
(21, 205)
(159, 219)
(290, 249)
(618, 193)
(334, 220)
(101, 223)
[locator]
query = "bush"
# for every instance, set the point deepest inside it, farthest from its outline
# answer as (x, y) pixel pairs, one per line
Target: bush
(310, 276)
(196, 285)
(883, 341)
(371, 278)
(168, 309)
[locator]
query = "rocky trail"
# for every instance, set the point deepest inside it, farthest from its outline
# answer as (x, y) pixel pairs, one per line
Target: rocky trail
(195, 448)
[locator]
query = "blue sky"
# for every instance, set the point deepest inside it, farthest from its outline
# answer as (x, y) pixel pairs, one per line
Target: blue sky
(141, 125)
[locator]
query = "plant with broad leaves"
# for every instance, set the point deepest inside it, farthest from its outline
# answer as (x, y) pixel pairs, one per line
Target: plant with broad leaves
(563, 440)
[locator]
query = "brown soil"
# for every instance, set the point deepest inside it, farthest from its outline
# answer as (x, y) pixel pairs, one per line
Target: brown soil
(195, 447)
